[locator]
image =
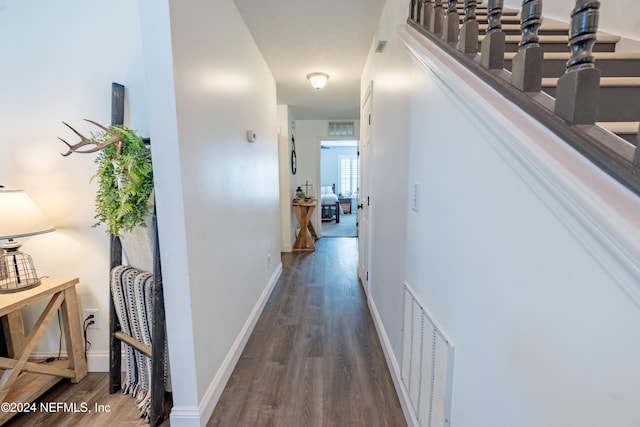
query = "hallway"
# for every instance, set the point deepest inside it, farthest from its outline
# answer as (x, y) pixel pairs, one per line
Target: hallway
(314, 358)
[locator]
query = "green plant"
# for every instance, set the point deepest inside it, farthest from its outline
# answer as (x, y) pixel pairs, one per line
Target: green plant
(125, 182)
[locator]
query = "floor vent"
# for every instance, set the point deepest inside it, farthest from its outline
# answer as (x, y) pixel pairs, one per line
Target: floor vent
(427, 365)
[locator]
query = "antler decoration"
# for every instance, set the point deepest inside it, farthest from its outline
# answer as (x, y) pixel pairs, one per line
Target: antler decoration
(84, 141)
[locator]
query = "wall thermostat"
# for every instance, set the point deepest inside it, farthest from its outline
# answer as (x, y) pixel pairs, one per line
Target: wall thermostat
(251, 136)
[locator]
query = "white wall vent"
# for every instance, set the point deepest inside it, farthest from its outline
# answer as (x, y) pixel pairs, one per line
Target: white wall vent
(341, 128)
(427, 365)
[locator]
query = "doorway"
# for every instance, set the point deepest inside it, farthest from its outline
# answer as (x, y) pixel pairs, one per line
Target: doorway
(340, 187)
(365, 190)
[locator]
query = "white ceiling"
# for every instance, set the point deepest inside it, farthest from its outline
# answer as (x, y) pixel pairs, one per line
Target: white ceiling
(297, 37)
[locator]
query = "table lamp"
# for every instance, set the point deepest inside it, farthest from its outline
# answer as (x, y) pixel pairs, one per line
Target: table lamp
(19, 217)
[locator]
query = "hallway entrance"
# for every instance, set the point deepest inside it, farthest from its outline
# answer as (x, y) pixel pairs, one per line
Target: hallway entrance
(339, 177)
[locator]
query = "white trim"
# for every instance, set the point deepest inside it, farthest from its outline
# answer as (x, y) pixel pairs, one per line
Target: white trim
(97, 361)
(394, 368)
(192, 416)
(596, 209)
(186, 416)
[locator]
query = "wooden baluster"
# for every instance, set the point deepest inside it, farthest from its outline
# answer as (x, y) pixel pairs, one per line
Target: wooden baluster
(469, 32)
(437, 18)
(578, 91)
(636, 156)
(418, 12)
(427, 13)
(492, 49)
(527, 64)
(451, 29)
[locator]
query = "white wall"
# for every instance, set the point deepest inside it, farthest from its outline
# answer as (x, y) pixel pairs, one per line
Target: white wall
(286, 122)
(217, 194)
(388, 172)
(58, 62)
(526, 254)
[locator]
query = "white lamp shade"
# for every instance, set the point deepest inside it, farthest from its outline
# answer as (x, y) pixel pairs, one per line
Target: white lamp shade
(318, 80)
(19, 216)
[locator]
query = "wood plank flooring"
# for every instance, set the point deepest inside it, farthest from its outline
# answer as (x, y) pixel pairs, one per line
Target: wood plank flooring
(118, 409)
(314, 358)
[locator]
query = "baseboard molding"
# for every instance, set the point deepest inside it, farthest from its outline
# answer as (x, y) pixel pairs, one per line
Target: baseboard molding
(97, 361)
(191, 416)
(186, 416)
(394, 367)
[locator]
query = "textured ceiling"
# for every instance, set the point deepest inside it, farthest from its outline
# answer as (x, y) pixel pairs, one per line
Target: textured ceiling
(297, 37)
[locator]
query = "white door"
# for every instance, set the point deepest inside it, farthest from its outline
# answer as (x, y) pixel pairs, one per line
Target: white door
(364, 198)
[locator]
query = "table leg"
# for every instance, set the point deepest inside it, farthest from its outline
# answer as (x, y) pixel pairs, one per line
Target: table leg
(14, 332)
(73, 334)
(10, 375)
(307, 234)
(312, 231)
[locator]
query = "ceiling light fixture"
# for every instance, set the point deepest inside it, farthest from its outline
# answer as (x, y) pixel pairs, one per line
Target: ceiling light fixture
(318, 80)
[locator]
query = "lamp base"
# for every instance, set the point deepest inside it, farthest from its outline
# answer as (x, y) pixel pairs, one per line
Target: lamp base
(17, 272)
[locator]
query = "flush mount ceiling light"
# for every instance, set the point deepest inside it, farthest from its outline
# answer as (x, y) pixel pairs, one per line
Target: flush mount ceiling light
(318, 80)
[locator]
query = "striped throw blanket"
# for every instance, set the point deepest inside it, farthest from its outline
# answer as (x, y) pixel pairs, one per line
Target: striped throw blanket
(132, 291)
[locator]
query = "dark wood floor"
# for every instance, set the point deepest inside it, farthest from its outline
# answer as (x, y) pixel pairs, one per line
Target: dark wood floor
(314, 358)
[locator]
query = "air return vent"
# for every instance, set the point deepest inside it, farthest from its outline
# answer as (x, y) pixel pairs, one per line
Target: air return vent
(427, 365)
(341, 128)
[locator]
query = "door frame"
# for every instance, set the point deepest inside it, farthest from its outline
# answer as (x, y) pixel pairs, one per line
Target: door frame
(364, 216)
(330, 140)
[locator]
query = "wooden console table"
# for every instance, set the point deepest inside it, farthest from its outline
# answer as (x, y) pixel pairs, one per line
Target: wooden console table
(23, 380)
(307, 234)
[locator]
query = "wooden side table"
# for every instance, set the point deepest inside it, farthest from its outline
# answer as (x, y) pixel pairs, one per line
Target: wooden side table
(307, 234)
(23, 380)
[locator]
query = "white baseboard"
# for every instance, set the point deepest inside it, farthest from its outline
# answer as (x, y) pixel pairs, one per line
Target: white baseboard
(191, 416)
(96, 361)
(187, 416)
(99, 361)
(392, 362)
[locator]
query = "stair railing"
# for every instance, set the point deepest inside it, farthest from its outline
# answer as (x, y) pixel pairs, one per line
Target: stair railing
(577, 94)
